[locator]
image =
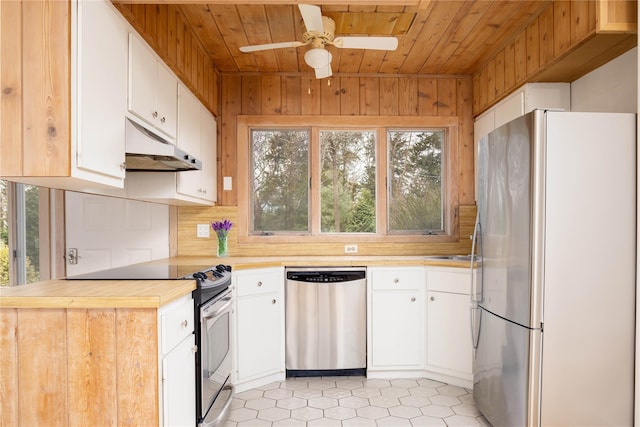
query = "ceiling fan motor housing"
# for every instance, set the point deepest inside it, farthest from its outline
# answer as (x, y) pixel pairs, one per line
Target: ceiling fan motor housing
(317, 39)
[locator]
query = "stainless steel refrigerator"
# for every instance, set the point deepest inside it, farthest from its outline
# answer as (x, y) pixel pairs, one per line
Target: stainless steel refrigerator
(553, 312)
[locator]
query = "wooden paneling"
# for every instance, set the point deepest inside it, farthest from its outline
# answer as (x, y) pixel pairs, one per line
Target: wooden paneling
(36, 89)
(91, 340)
(78, 366)
(11, 84)
(561, 44)
(9, 413)
(42, 367)
(345, 96)
(188, 245)
(137, 366)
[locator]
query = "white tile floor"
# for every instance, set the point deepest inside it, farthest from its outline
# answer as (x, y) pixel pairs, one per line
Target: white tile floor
(354, 401)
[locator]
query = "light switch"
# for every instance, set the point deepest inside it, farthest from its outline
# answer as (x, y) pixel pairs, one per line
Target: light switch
(226, 183)
(202, 230)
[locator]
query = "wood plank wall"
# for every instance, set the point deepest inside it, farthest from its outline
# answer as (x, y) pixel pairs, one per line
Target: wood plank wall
(36, 88)
(268, 94)
(167, 31)
(78, 367)
(567, 40)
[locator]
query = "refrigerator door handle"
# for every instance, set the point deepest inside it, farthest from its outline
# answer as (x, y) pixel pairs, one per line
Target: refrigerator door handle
(475, 322)
(477, 234)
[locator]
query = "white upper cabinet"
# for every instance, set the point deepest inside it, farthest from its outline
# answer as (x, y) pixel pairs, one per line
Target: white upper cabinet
(196, 135)
(153, 89)
(102, 86)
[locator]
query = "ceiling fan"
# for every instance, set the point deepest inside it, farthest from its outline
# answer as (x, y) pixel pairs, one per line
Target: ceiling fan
(320, 32)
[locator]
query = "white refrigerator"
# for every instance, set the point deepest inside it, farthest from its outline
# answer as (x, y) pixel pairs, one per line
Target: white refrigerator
(553, 312)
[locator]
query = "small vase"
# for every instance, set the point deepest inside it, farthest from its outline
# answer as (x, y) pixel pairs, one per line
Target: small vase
(222, 246)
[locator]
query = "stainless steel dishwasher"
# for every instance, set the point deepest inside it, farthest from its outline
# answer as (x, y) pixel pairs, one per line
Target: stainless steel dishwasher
(326, 321)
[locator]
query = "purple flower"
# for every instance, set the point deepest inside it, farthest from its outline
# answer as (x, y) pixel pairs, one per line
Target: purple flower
(222, 227)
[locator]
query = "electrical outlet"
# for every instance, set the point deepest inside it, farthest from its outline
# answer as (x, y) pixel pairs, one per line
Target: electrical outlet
(350, 249)
(202, 230)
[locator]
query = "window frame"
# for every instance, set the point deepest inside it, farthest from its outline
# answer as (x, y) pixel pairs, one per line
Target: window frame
(450, 124)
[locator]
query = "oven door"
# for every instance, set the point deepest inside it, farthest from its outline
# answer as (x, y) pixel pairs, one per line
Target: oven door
(215, 348)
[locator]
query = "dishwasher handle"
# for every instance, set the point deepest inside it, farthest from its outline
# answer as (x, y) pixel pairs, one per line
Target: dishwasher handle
(326, 277)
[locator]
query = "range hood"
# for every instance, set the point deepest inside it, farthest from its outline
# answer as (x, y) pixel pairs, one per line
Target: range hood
(146, 151)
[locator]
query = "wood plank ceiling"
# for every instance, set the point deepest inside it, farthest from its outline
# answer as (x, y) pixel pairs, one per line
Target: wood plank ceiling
(435, 37)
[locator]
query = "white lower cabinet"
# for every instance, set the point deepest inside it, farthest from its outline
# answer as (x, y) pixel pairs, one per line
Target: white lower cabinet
(449, 347)
(259, 326)
(396, 319)
(177, 350)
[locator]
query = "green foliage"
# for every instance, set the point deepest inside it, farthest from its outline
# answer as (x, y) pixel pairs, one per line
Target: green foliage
(32, 224)
(415, 173)
(280, 174)
(347, 170)
(362, 216)
(4, 264)
(4, 205)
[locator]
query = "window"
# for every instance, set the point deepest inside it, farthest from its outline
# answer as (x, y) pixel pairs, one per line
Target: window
(280, 194)
(363, 178)
(19, 233)
(348, 181)
(415, 181)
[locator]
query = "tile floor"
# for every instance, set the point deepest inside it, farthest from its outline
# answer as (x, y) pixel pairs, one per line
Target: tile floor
(354, 401)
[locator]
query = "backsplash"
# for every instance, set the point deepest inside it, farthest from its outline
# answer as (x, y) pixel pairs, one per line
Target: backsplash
(191, 245)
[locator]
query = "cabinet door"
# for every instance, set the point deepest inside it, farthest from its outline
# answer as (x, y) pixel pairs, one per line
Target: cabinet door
(167, 96)
(179, 385)
(208, 139)
(259, 335)
(102, 89)
(188, 183)
(143, 80)
(449, 345)
(397, 333)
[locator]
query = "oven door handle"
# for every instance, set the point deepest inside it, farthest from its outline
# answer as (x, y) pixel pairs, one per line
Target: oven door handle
(216, 313)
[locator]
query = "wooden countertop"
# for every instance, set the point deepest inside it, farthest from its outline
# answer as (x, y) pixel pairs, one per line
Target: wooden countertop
(95, 293)
(156, 293)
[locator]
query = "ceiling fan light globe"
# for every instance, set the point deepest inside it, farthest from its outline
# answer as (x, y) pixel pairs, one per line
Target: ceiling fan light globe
(317, 57)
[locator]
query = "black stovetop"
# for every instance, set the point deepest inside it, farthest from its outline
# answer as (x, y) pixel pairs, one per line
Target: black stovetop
(144, 272)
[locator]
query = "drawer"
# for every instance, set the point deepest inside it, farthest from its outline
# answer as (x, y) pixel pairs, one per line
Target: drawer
(176, 323)
(261, 282)
(397, 279)
(458, 282)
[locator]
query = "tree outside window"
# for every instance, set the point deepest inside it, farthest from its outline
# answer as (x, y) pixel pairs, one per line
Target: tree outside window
(348, 188)
(280, 191)
(415, 181)
(351, 179)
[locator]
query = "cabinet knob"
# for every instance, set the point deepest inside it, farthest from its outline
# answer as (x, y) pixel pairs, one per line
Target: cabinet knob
(396, 280)
(259, 283)
(413, 299)
(162, 120)
(184, 323)
(155, 114)
(194, 348)
(273, 301)
(123, 166)
(432, 298)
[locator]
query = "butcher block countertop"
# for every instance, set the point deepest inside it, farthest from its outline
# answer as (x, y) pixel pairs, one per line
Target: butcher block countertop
(95, 293)
(156, 293)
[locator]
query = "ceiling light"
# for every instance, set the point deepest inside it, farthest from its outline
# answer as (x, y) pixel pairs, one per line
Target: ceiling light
(317, 57)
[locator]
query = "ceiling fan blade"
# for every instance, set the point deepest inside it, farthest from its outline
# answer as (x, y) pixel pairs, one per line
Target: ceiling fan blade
(323, 72)
(312, 17)
(379, 43)
(266, 46)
